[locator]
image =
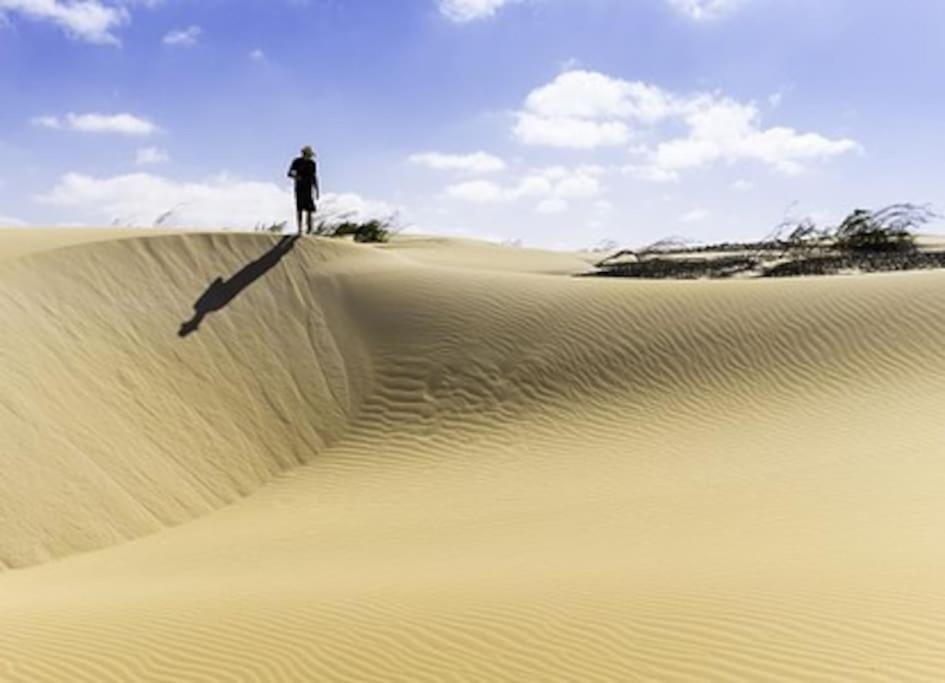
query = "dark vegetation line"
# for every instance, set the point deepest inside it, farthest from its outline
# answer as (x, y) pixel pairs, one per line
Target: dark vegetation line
(866, 241)
(375, 230)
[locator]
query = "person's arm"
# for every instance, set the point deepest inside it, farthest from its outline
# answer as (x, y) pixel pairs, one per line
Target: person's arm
(318, 192)
(293, 170)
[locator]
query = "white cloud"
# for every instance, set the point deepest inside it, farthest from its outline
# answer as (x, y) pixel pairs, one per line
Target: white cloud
(649, 173)
(477, 191)
(585, 110)
(10, 222)
(539, 185)
(700, 10)
(221, 201)
(257, 55)
(552, 183)
(462, 11)
(591, 95)
(579, 186)
(566, 132)
(124, 124)
(151, 155)
(694, 216)
(742, 185)
(88, 20)
(183, 36)
(552, 206)
(477, 162)
(721, 129)
(46, 122)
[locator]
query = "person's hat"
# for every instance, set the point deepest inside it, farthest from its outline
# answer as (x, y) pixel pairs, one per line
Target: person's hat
(307, 151)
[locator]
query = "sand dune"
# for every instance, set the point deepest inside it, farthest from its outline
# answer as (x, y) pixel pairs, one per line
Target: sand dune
(443, 460)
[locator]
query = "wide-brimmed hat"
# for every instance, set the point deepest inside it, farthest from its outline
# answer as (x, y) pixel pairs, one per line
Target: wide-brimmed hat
(307, 151)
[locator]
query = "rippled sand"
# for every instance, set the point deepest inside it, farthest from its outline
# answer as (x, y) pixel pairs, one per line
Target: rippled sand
(443, 460)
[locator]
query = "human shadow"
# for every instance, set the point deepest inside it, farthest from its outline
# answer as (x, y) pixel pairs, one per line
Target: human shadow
(221, 292)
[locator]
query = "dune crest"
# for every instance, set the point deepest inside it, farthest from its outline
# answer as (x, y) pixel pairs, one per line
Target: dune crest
(419, 463)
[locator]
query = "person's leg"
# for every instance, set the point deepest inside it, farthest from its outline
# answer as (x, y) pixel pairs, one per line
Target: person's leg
(311, 220)
(298, 220)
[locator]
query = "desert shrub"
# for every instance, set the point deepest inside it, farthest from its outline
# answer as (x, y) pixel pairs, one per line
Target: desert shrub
(864, 262)
(275, 228)
(887, 230)
(669, 245)
(374, 230)
(866, 241)
(680, 268)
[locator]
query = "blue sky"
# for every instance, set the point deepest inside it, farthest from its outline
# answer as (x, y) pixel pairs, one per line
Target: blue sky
(560, 123)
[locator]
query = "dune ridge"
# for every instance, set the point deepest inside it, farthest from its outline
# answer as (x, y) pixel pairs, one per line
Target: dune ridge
(105, 438)
(417, 463)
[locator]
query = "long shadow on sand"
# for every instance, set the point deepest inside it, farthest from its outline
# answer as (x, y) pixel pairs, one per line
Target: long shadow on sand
(221, 292)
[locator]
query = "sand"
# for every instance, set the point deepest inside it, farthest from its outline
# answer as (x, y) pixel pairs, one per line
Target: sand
(443, 460)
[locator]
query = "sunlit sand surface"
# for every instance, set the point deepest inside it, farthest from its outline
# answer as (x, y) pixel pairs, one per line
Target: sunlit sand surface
(443, 460)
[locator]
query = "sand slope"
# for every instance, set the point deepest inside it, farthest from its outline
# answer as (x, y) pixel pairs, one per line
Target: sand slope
(419, 463)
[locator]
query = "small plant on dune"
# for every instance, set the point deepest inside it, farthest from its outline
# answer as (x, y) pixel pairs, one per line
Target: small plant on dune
(888, 230)
(275, 228)
(805, 233)
(374, 230)
(866, 241)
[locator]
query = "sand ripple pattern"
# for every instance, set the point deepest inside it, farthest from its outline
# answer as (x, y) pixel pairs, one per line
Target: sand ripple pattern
(373, 467)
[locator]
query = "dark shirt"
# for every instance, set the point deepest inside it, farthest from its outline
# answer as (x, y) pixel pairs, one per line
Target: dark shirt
(305, 173)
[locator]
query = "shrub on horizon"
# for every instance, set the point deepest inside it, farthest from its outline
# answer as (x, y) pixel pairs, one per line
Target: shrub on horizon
(888, 230)
(374, 230)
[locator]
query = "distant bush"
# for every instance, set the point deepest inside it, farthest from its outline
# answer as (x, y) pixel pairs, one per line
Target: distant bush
(276, 228)
(681, 268)
(375, 230)
(887, 230)
(866, 241)
(370, 231)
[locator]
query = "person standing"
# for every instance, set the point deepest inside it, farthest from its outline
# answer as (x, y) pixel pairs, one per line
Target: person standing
(304, 171)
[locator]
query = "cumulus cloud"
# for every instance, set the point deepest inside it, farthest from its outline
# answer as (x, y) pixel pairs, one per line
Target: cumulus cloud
(90, 20)
(10, 222)
(183, 37)
(700, 10)
(568, 132)
(462, 11)
(552, 206)
(151, 155)
(579, 186)
(220, 201)
(721, 129)
(478, 191)
(585, 110)
(553, 186)
(650, 173)
(123, 124)
(477, 162)
(694, 216)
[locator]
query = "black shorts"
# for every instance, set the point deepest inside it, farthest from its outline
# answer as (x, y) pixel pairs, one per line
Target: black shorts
(304, 200)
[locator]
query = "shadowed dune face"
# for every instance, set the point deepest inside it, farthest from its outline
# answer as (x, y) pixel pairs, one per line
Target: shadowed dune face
(397, 465)
(115, 427)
